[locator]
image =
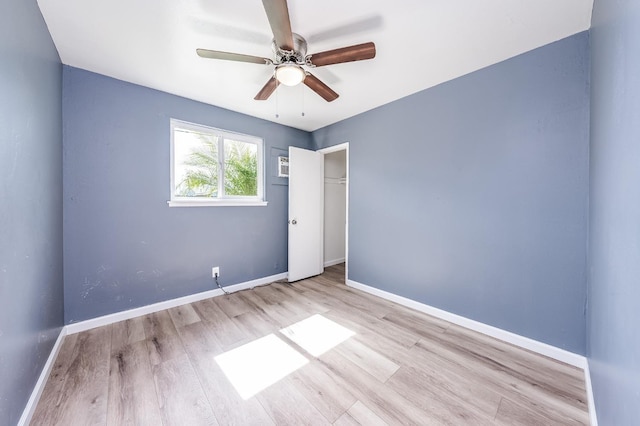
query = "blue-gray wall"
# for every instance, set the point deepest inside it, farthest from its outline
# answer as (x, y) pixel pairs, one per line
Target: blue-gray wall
(31, 303)
(124, 246)
(613, 322)
(472, 196)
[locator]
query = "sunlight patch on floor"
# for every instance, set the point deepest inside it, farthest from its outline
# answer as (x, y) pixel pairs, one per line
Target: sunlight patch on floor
(257, 365)
(317, 334)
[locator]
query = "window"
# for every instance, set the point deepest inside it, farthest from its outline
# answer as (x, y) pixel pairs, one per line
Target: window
(213, 167)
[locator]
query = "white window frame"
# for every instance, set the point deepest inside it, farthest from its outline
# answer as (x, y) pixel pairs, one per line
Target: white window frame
(222, 199)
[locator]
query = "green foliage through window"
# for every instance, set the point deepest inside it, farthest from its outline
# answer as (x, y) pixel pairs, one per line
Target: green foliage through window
(241, 168)
(215, 164)
(201, 171)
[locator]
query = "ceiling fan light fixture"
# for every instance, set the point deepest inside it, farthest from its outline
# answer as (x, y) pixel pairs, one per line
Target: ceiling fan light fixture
(290, 74)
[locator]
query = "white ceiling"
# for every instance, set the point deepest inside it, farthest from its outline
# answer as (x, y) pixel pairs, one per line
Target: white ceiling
(420, 43)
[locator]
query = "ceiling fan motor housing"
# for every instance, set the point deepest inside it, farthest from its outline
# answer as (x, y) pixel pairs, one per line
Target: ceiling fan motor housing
(297, 55)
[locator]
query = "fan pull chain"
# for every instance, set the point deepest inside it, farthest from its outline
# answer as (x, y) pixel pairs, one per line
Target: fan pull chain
(277, 115)
(302, 89)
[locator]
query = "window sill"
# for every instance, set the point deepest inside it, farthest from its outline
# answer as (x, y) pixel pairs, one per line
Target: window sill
(213, 203)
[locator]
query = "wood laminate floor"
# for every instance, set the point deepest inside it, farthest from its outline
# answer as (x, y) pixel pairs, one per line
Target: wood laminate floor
(399, 367)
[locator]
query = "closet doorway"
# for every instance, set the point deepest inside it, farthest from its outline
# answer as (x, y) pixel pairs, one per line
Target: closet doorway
(336, 205)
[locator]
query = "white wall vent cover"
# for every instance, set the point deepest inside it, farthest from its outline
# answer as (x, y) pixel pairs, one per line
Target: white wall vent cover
(283, 166)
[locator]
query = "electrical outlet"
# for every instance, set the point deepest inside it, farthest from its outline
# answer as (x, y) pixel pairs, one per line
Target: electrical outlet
(215, 270)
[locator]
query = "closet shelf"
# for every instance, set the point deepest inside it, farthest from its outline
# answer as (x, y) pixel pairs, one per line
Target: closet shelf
(335, 181)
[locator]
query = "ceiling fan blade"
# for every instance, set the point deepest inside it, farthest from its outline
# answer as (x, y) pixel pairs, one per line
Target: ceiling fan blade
(267, 90)
(357, 52)
(237, 57)
(278, 15)
(313, 83)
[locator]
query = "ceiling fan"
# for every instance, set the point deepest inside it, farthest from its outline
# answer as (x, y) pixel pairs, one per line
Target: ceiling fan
(290, 51)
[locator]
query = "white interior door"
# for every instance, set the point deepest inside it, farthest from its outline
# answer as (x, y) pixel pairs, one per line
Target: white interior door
(306, 206)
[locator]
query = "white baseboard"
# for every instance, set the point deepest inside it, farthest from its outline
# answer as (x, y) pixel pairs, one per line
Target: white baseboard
(144, 310)
(333, 262)
(592, 405)
(515, 339)
(30, 408)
